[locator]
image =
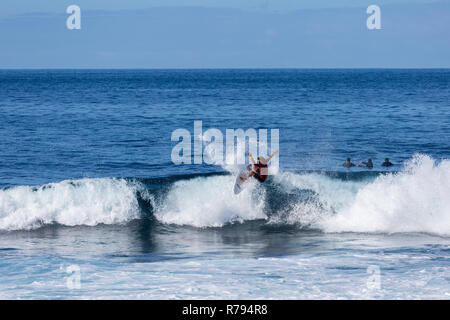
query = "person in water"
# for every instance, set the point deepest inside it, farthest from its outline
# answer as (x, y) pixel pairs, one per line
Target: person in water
(368, 164)
(259, 170)
(387, 163)
(348, 163)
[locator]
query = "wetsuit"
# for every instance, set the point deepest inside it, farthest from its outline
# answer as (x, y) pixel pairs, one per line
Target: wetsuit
(261, 171)
(386, 164)
(348, 164)
(368, 164)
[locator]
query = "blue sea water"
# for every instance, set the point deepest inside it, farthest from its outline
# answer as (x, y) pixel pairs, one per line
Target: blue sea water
(88, 190)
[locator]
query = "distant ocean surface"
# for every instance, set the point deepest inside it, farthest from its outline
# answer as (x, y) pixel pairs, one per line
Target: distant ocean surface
(92, 207)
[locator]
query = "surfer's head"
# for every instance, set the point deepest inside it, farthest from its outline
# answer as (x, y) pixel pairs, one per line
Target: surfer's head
(262, 160)
(348, 159)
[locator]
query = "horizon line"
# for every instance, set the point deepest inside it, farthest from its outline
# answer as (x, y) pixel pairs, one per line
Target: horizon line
(224, 68)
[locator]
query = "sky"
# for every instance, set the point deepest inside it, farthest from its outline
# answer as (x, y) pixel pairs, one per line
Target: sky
(9, 7)
(224, 34)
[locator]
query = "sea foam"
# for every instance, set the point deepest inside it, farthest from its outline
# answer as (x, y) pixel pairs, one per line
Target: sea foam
(416, 199)
(210, 202)
(71, 202)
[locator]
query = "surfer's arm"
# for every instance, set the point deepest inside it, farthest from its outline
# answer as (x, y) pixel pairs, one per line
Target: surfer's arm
(271, 156)
(251, 158)
(248, 176)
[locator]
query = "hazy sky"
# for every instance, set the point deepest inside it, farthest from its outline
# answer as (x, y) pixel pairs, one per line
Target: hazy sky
(27, 6)
(224, 34)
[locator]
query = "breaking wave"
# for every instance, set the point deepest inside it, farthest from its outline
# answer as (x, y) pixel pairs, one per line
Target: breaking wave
(412, 200)
(71, 202)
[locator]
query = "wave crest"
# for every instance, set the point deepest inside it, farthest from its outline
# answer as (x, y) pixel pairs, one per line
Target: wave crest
(414, 200)
(210, 202)
(71, 202)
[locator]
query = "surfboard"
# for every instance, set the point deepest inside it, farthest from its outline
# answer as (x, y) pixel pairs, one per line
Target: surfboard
(239, 184)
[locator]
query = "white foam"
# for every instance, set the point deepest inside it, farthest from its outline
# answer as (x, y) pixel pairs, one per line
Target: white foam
(414, 200)
(210, 202)
(71, 202)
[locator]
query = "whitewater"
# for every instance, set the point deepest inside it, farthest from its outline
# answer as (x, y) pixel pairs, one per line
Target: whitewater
(414, 199)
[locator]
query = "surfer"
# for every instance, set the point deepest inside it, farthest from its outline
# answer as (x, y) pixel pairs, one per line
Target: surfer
(348, 163)
(259, 169)
(387, 163)
(368, 164)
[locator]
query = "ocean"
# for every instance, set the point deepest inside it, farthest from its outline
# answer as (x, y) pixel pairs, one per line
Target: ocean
(93, 207)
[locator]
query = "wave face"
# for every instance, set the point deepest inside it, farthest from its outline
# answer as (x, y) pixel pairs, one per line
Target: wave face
(413, 200)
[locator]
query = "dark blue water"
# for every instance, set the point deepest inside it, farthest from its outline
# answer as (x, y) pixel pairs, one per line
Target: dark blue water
(70, 124)
(87, 180)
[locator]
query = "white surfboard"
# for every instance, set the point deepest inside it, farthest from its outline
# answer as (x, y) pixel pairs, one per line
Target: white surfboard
(239, 184)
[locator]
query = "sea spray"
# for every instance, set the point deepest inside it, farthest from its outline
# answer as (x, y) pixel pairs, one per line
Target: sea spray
(414, 200)
(210, 202)
(70, 202)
